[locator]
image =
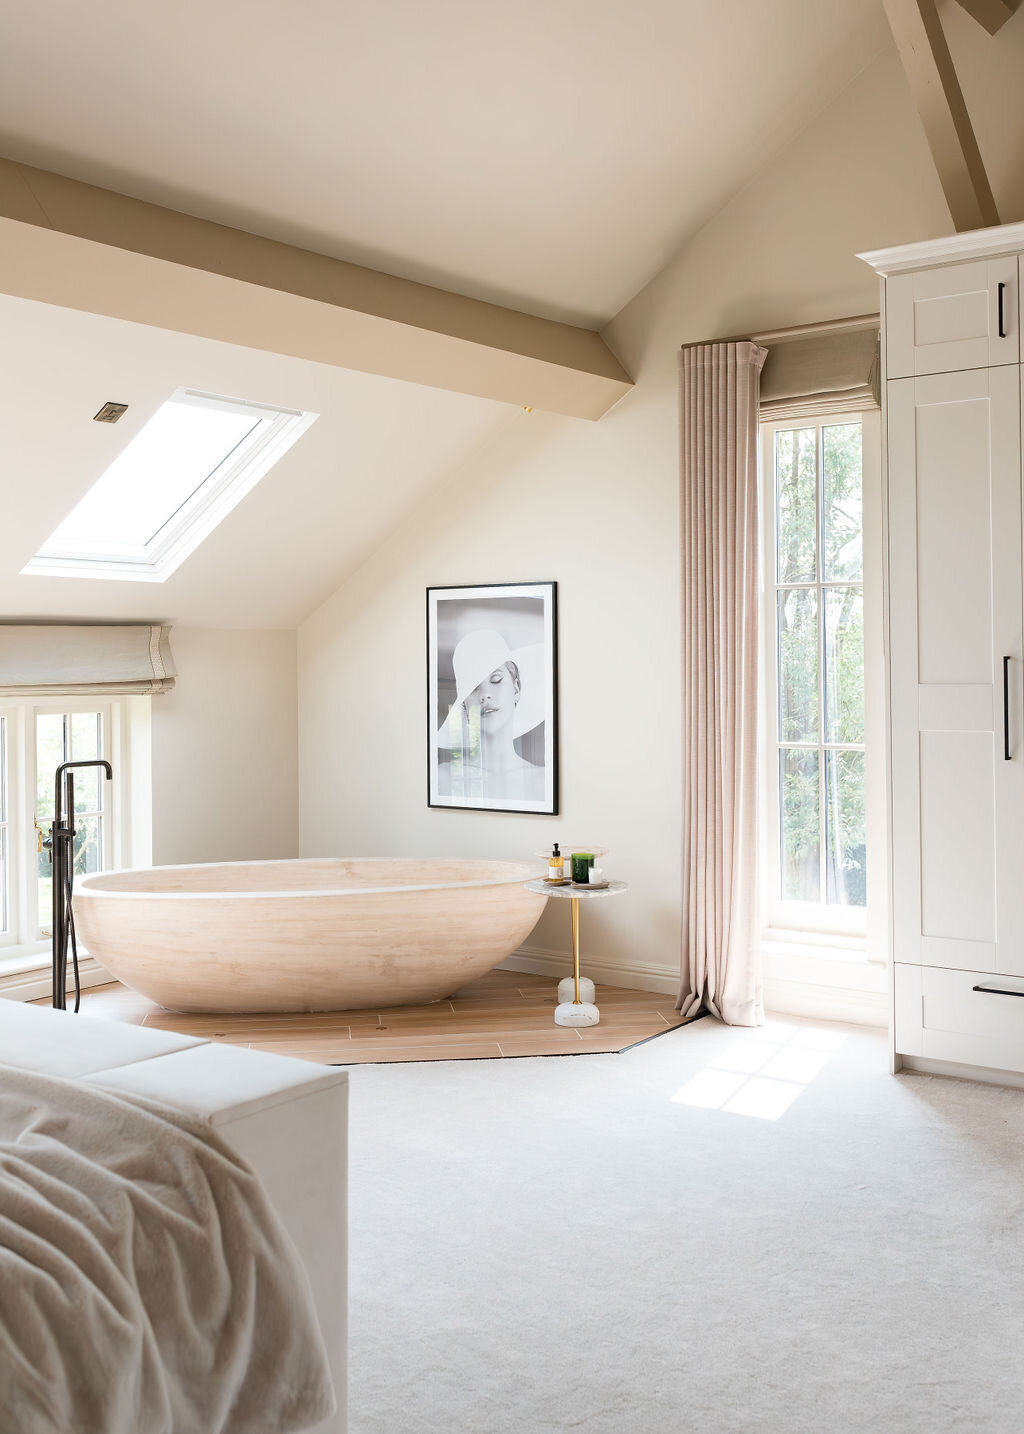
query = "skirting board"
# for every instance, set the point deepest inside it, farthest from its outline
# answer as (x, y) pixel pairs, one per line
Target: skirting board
(634, 977)
(789, 998)
(32, 985)
(827, 1003)
(919, 1065)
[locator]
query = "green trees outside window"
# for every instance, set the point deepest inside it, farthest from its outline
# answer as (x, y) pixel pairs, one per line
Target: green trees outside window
(819, 596)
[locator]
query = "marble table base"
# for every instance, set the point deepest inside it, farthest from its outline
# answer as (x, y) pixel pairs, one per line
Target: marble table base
(567, 990)
(577, 1013)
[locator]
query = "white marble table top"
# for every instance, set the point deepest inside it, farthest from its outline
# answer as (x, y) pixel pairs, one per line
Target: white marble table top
(572, 890)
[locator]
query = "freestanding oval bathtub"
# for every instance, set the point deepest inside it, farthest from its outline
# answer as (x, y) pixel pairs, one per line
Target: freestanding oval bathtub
(325, 935)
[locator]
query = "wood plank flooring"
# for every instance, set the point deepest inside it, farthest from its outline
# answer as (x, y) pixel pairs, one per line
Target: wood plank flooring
(505, 1013)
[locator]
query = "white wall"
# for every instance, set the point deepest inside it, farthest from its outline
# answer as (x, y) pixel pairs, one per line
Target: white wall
(546, 504)
(595, 507)
(224, 749)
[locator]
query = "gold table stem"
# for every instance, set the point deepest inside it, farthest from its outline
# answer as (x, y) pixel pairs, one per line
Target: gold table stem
(574, 911)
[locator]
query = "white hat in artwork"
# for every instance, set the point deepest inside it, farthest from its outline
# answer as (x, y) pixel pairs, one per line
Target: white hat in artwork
(476, 656)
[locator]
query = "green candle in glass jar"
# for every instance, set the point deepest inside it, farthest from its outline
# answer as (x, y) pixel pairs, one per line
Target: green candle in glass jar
(582, 861)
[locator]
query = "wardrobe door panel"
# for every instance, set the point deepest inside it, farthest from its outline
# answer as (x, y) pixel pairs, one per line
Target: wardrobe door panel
(956, 317)
(955, 614)
(954, 533)
(958, 827)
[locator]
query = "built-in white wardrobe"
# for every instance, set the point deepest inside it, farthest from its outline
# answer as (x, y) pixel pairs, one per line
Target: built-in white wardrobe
(951, 325)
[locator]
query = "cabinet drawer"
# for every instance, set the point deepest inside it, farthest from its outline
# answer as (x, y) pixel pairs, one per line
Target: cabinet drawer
(957, 317)
(942, 1017)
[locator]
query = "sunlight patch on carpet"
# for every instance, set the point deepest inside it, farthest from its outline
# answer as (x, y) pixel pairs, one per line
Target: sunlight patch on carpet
(762, 1073)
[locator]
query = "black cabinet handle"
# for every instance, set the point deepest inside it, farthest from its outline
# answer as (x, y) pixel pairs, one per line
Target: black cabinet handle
(1000, 290)
(1006, 709)
(996, 991)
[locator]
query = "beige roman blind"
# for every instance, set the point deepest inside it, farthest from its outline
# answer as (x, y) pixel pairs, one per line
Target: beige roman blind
(821, 369)
(87, 661)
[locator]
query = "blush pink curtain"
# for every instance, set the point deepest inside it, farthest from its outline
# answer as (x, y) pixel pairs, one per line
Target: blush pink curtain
(721, 957)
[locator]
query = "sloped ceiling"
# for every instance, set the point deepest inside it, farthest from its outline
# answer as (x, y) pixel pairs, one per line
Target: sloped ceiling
(548, 156)
(378, 447)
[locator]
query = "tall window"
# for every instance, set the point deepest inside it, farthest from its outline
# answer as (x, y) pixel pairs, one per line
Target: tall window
(34, 741)
(814, 780)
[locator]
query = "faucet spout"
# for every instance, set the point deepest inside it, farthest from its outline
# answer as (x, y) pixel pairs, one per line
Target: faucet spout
(58, 784)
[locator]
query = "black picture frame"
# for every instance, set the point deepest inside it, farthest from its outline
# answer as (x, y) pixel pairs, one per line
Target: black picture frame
(480, 756)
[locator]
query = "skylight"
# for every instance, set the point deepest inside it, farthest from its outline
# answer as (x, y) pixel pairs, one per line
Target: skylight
(167, 490)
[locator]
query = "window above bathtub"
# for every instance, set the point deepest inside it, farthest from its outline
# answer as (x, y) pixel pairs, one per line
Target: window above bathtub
(175, 480)
(113, 820)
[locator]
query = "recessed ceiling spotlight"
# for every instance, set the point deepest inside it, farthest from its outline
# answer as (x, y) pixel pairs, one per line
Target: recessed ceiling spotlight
(110, 413)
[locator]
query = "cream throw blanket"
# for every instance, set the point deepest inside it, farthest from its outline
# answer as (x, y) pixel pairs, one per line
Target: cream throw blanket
(146, 1285)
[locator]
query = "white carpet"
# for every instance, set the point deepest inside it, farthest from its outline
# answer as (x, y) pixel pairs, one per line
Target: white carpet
(556, 1245)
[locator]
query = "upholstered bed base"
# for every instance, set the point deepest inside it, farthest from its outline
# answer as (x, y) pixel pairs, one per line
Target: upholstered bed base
(288, 1118)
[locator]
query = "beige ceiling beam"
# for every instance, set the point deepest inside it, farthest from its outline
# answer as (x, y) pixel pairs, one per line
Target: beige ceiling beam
(929, 69)
(992, 14)
(80, 247)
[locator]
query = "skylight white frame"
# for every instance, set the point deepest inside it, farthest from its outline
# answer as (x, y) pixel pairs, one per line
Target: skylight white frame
(198, 515)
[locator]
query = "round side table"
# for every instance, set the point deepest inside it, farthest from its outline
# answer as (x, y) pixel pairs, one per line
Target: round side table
(576, 1012)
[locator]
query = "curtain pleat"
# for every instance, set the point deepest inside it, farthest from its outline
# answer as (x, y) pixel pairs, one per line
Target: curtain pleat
(721, 959)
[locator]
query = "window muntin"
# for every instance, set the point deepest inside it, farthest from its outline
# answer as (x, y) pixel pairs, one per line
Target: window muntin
(177, 478)
(815, 780)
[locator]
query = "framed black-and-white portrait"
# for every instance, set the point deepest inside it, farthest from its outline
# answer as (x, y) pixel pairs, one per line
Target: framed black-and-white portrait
(492, 697)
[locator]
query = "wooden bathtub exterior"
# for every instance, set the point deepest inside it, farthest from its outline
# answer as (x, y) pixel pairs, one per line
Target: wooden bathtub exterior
(319, 935)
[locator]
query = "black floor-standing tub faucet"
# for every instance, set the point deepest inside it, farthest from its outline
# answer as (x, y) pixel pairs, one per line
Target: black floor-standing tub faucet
(62, 860)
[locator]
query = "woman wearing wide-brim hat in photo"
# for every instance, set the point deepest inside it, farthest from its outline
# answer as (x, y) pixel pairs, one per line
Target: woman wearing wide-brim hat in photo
(499, 696)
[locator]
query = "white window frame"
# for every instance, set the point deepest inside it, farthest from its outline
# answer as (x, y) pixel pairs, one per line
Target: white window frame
(846, 933)
(25, 946)
(221, 491)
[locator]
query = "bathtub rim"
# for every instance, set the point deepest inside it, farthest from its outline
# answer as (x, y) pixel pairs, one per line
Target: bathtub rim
(83, 888)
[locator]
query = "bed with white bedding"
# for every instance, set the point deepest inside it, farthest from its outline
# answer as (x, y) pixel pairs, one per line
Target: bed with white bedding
(147, 1282)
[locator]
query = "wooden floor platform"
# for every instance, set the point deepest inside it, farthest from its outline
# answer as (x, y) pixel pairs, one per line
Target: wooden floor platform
(503, 1014)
